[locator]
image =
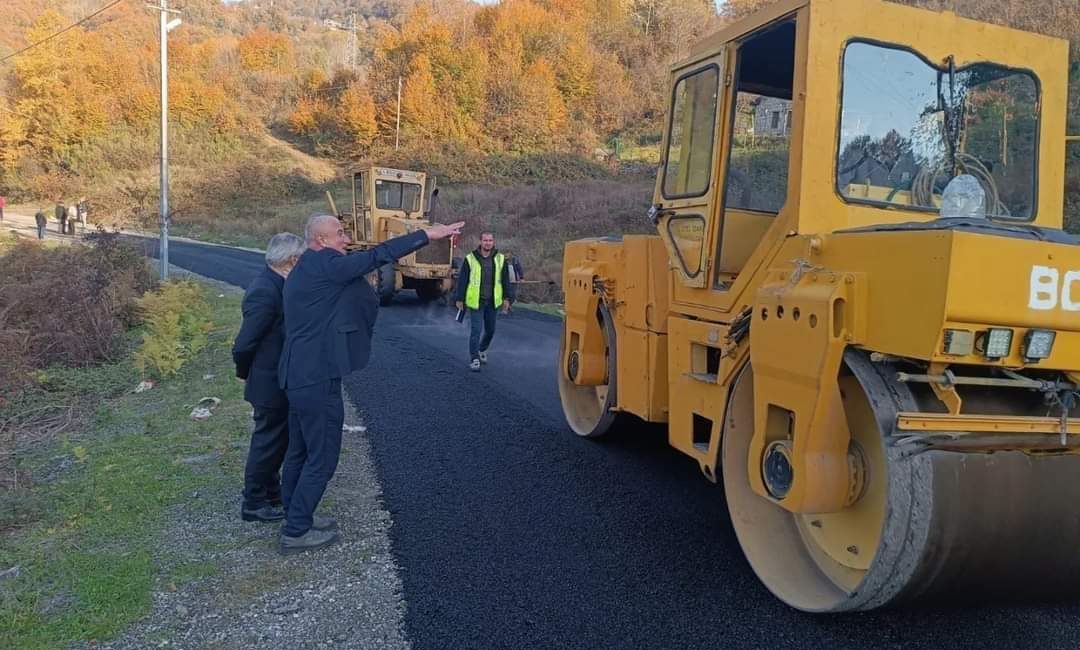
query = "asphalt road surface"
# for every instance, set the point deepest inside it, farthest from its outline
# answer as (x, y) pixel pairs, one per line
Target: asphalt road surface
(513, 533)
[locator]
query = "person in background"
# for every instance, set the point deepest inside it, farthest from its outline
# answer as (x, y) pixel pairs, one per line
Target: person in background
(41, 220)
(483, 286)
(72, 217)
(256, 352)
(84, 211)
(3, 204)
(61, 216)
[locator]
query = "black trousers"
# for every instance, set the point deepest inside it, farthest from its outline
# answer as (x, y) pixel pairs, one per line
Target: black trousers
(316, 416)
(269, 440)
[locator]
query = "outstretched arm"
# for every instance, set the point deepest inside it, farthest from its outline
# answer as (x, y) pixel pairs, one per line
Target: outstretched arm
(346, 268)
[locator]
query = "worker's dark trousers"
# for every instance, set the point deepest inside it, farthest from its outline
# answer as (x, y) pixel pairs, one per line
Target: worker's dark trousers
(269, 440)
(316, 415)
(481, 319)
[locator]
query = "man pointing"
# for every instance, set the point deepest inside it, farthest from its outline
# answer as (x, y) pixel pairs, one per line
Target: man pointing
(330, 311)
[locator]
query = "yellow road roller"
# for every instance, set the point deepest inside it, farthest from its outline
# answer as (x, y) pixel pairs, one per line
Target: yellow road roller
(858, 311)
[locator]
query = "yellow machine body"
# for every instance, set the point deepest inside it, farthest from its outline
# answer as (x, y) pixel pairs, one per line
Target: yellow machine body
(817, 351)
(388, 203)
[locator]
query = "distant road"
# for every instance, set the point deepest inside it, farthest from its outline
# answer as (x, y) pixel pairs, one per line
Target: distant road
(512, 533)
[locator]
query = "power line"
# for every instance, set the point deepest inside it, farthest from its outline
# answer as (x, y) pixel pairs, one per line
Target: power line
(52, 36)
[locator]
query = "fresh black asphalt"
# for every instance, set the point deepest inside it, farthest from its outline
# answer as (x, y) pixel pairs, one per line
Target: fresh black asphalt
(512, 533)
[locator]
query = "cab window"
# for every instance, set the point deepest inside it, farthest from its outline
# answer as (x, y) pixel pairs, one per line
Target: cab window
(688, 164)
(687, 233)
(757, 176)
(908, 127)
(392, 195)
(762, 118)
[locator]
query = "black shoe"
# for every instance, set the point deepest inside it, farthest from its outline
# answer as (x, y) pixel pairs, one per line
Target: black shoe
(309, 541)
(263, 514)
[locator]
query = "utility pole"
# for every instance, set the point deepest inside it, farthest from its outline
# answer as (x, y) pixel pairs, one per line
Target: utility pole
(352, 57)
(166, 27)
(397, 130)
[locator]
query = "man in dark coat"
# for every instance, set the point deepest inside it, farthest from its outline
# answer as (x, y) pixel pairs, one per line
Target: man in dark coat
(330, 311)
(256, 353)
(61, 216)
(41, 220)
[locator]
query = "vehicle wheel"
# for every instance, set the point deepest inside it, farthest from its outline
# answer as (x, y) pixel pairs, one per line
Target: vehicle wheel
(384, 283)
(925, 526)
(590, 410)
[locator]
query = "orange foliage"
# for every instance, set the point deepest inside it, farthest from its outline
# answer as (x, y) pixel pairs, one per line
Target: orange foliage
(264, 50)
(302, 120)
(356, 115)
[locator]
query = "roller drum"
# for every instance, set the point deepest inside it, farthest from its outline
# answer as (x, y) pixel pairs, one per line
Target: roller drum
(937, 524)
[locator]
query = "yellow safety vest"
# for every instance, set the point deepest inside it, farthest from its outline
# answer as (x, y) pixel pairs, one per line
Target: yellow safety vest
(472, 294)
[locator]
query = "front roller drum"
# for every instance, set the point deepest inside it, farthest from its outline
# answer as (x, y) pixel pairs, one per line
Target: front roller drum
(931, 525)
(591, 410)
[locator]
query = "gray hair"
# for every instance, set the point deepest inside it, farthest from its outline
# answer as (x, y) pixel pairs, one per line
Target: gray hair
(312, 227)
(283, 247)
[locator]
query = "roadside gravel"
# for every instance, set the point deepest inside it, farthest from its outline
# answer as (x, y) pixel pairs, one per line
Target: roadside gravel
(236, 592)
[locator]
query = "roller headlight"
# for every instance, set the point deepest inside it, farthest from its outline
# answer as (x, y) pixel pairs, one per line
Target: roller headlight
(997, 343)
(1037, 344)
(958, 343)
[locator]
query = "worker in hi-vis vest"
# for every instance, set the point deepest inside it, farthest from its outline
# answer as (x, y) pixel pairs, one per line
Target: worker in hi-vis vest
(483, 286)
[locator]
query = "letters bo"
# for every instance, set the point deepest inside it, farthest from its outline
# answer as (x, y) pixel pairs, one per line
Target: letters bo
(1047, 284)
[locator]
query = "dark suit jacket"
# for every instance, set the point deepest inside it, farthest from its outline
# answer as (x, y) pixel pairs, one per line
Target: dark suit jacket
(330, 311)
(257, 348)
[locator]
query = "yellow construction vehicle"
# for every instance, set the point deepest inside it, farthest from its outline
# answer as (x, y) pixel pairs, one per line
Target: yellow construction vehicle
(858, 312)
(387, 203)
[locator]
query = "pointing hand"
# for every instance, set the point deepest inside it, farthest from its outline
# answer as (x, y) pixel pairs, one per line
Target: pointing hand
(442, 231)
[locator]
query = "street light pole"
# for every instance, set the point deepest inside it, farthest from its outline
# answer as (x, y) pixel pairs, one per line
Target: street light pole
(397, 129)
(166, 26)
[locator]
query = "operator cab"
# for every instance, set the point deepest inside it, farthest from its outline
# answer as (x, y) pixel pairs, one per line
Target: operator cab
(822, 106)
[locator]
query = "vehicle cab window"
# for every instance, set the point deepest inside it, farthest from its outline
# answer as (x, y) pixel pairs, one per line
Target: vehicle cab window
(393, 195)
(908, 127)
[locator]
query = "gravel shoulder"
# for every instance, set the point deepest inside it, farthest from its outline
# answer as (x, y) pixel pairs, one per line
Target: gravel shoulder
(236, 592)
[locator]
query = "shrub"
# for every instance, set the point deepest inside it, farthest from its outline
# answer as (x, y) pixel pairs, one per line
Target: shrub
(177, 321)
(65, 306)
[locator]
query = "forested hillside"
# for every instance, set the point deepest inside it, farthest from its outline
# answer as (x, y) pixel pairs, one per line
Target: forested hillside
(78, 114)
(273, 94)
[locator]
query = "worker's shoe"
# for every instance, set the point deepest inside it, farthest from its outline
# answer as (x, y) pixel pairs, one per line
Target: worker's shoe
(312, 540)
(475, 365)
(483, 356)
(264, 514)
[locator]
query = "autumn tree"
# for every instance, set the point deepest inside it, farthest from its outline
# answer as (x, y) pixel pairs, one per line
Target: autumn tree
(263, 50)
(355, 116)
(59, 88)
(11, 137)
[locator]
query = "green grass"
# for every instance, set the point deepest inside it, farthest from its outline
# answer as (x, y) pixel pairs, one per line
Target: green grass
(649, 153)
(89, 543)
(8, 239)
(549, 308)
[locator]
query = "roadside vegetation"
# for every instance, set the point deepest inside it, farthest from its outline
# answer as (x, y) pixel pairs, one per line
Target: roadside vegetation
(89, 466)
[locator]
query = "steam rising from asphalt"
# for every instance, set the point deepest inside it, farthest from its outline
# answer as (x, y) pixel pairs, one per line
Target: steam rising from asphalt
(520, 338)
